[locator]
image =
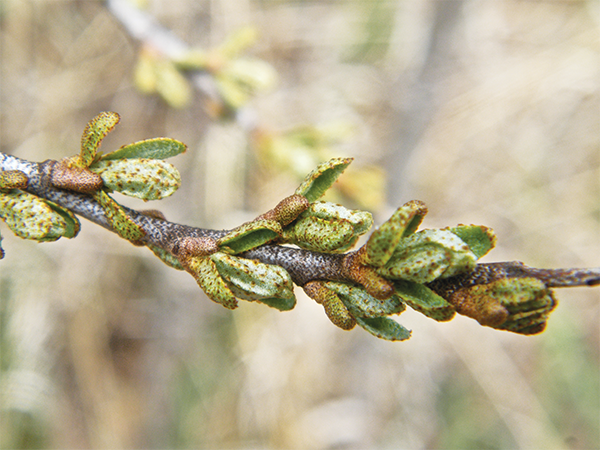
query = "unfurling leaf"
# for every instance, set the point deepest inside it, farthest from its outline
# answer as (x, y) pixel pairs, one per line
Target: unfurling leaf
(147, 179)
(157, 148)
(322, 178)
(256, 281)
(94, 132)
(384, 240)
(250, 235)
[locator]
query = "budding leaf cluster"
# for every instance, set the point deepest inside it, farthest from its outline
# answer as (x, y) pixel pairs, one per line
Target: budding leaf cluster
(433, 271)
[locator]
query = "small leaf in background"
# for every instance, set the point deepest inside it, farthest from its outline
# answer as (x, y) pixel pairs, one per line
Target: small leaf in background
(118, 219)
(204, 270)
(480, 239)
(157, 148)
(93, 134)
(147, 179)
(384, 328)
(256, 281)
(144, 75)
(250, 235)
(422, 299)
(30, 217)
(171, 84)
(361, 304)
(237, 42)
(195, 59)
(240, 79)
(384, 240)
(322, 178)
(13, 179)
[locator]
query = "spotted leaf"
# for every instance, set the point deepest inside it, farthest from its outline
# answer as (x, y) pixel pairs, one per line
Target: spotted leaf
(383, 242)
(384, 328)
(93, 134)
(256, 281)
(322, 178)
(147, 179)
(427, 255)
(30, 217)
(362, 304)
(250, 235)
(424, 300)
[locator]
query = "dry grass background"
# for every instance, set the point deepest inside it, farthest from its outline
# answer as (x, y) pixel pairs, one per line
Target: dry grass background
(488, 110)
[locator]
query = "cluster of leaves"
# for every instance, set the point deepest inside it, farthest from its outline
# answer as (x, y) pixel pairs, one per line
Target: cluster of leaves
(237, 77)
(137, 170)
(397, 266)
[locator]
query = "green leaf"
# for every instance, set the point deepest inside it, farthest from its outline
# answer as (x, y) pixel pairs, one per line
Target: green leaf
(384, 328)
(480, 239)
(94, 132)
(250, 235)
(118, 219)
(208, 278)
(428, 255)
(166, 257)
(320, 235)
(157, 148)
(71, 223)
(384, 240)
(147, 179)
(30, 217)
(362, 304)
(255, 281)
(361, 221)
(424, 300)
(322, 178)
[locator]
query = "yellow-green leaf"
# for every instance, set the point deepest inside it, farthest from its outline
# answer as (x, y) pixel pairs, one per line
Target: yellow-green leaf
(322, 178)
(94, 132)
(147, 179)
(118, 219)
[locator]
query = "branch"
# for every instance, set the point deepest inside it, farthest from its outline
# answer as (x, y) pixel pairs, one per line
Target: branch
(433, 271)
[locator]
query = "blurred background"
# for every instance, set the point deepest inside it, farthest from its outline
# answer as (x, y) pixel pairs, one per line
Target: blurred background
(487, 110)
